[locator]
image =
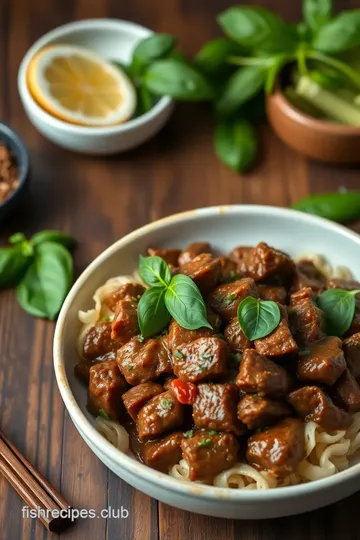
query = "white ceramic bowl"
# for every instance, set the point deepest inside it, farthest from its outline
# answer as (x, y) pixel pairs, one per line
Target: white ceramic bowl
(115, 40)
(224, 227)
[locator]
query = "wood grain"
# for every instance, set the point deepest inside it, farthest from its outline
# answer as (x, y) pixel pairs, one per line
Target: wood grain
(99, 200)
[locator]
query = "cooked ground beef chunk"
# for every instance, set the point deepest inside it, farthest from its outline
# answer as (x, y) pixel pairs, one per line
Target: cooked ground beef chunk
(138, 395)
(142, 361)
(180, 336)
(266, 262)
(241, 255)
(170, 256)
(278, 449)
(163, 453)
(322, 362)
(192, 251)
(259, 375)
(307, 321)
(347, 391)
(274, 293)
(307, 275)
(208, 454)
(313, 405)
(351, 348)
(125, 323)
(255, 411)
(228, 270)
(280, 341)
(215, 408)
(161, 414)
(98, 341)
(204, 270)
(204, 358)
(133, 291)
(200, 395)
(106, 386)
(235, 337)
(226, 298)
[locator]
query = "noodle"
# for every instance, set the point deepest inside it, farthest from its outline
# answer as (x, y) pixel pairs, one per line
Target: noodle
(113, 432)
(325, 453)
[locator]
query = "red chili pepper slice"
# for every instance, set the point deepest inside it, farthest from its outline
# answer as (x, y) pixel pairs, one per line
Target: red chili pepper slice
(185, 392)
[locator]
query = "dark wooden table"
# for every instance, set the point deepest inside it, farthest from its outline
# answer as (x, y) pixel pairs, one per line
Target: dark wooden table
(99, 200)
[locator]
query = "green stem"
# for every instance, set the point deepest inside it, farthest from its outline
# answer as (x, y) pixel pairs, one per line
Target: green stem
(241, 61)
(301, 60)
(327, 102)
(337, 64)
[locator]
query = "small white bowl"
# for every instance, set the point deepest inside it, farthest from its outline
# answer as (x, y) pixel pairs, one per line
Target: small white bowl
(115, 40)
(224, 228)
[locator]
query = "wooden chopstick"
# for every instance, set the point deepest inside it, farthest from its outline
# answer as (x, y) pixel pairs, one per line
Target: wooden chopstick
(32, 487)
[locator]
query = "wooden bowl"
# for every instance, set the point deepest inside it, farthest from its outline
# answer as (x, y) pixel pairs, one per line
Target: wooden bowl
(330, 142)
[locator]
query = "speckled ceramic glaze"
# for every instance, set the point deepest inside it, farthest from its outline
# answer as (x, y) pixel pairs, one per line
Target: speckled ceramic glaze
(224, 227)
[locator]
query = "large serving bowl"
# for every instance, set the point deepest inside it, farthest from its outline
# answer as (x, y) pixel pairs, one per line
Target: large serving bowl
(225, 227)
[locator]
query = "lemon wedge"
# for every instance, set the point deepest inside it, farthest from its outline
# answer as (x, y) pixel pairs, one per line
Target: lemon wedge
(80, 87)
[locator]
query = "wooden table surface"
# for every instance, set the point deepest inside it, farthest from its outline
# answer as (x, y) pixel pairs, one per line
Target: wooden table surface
(99, 200)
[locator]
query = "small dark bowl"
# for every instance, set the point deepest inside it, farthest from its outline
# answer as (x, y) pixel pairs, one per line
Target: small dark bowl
(17, 147)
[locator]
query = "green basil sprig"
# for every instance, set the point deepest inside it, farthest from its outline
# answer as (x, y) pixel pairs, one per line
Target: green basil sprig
(258, 318)
(317, 13)
(150, 49)
(177, 297)
(339, 308)
(41, 269)
(236, 144)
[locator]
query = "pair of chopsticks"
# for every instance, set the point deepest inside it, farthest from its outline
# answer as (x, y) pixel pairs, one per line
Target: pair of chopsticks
(33, 488)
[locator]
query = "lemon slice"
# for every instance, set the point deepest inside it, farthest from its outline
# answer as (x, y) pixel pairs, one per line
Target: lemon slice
(79, 86)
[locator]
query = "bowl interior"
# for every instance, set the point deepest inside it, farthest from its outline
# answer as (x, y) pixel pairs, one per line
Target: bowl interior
(224, 228)
(112, 41)
(18, 149)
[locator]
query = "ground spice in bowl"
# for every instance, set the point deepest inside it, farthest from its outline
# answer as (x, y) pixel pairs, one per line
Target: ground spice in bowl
(9, 172)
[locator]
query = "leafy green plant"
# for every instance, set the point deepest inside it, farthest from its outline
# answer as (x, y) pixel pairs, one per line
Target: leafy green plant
(339, 308)
(258, 318)
(232, 71)
(177, 297)
(41, 269)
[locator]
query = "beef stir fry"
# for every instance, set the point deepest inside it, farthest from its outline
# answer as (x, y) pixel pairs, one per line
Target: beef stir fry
(212, 395)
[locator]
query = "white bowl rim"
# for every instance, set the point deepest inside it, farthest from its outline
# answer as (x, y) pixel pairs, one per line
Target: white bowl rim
(136, 467)
(60, 31)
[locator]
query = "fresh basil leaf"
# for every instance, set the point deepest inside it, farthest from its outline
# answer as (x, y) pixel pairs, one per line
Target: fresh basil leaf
(317, 13)
(173, 78)
(214, 54)
(154, 271)
(145, 101)
(13, 265)
(185, 303)
(236, 144)
(340, 34)
(152, 313)
(339, 309)
(53, 236)
(17, 238)
(242, 86)
(47, 281)
(258, 28)
(258, 318)
(150, 49)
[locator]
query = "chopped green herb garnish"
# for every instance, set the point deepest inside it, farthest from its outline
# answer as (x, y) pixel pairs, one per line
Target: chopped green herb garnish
(104, 414)
(213, 432)
(130, 367)
(179, 354)
(205, 443)
(106, 318)
(134, 299)
(140, 338)
(207, 356)
(166, 404)
(189, 434)
(236, 358)
(304, 352)
(231, 297)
